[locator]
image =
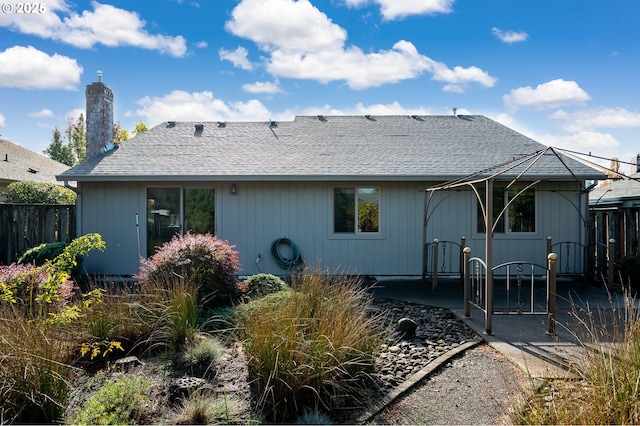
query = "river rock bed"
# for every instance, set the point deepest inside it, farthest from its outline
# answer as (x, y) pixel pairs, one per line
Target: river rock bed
(438, 331)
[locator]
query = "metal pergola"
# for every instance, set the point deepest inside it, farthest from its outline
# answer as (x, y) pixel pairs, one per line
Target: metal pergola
(512, 171)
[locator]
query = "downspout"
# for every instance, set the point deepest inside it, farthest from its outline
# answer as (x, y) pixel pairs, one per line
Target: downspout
(78, 206)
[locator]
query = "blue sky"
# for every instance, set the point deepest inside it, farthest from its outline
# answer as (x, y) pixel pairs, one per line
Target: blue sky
(562, 72)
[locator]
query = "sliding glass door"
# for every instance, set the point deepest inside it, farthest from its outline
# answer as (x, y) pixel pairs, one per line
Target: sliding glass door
(172, 211)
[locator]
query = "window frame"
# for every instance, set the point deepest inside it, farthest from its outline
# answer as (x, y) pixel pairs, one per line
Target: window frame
(355, 235)
(181, 207)
(504, 231)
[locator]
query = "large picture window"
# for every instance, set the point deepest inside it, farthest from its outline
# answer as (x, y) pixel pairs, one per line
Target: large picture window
(172, 211)
(520, 215)
(356, 210)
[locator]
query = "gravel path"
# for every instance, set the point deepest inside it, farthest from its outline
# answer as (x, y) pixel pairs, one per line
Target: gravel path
(478, 387)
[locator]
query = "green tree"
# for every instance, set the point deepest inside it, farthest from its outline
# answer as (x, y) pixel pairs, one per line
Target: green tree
(59, 151)
(140, 127)
(30, 192)
(77, 138)
(119, 134)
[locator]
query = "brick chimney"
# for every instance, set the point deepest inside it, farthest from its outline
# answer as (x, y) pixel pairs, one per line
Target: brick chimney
(99, 116)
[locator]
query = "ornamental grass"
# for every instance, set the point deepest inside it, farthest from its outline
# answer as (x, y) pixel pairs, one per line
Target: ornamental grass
(310, 349)
(608, 388)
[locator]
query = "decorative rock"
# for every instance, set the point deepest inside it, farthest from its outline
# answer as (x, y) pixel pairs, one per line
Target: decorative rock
(127, 363)
(407, 327)
(437, 331)
(184, 386)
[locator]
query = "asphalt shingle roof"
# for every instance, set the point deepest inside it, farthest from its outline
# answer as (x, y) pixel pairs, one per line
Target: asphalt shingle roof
(18, 163)
(617, 192)
(323, 148)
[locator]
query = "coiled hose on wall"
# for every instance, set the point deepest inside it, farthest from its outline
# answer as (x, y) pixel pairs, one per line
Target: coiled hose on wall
(286, 262)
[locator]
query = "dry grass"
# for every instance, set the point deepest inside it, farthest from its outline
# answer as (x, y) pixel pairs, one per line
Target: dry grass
(35, 368)
(310, 349)
(608, 391)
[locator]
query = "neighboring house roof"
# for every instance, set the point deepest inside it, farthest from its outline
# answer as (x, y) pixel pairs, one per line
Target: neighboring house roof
(626, 191)
(18, 163)
(334, 148)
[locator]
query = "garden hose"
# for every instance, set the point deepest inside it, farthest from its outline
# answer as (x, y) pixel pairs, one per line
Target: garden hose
(283, 262)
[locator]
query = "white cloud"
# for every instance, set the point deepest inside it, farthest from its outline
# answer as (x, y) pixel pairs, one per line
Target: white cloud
(509, 36)
(398, 9)
(3, 121)
(29, 68)
(237, 57)
(589, 119)
(393, 108)
(546, 95)
(582, 141)
(201, 44)
(267, 87)
(304, 43)
(106, 24)
(294, 26)
(184, 106)
(44, 112)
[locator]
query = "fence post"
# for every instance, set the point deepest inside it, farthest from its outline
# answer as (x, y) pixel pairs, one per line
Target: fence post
(551, 303)
(610, 260)
(463, 241)
(434, 282)
(467, 282)
(549, 245)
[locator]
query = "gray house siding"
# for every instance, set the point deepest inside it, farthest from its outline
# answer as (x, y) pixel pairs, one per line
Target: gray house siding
(109, 208)
(257, 215)
(261, 212)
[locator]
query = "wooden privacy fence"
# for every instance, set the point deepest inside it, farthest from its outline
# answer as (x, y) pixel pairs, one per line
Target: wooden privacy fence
(23, 226)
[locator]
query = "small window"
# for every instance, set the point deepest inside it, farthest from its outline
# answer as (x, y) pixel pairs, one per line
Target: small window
(356, 210)
(520, 216)
(521, 213)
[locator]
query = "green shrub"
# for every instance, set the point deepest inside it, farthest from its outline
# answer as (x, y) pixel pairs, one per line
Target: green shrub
(46, 289)
(311, 347)
(48, 251)
(29, 192)
(200, 355)
(120, 401)
(260, 285)
(40, 254)
(205, 260)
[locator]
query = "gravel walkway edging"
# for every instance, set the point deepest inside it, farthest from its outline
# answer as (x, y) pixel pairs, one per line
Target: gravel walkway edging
(415, 379)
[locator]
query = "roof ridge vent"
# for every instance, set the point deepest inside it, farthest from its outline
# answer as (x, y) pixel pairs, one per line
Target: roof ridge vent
(272, 123)
(322, 118)
(222, 124)
(369, 117)
(171, 124)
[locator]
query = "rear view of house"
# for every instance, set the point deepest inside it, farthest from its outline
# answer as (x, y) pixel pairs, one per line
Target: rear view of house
(348, 192)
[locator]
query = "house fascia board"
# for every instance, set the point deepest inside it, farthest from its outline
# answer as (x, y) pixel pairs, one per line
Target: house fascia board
(302, 178)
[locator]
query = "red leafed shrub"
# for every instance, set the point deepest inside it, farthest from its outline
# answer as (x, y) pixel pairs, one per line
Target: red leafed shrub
(26, 284)
(203, 259)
